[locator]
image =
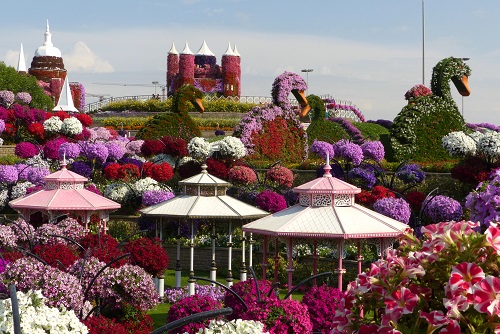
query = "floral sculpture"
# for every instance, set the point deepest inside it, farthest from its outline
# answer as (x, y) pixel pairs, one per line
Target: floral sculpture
(446, 282)
(417, 130)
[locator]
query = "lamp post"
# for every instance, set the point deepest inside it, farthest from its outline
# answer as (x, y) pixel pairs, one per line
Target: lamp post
(306, 71)
(423, 44)
(155, 83)
(464, 59)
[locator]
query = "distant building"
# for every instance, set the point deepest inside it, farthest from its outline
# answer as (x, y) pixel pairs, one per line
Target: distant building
(201, 70)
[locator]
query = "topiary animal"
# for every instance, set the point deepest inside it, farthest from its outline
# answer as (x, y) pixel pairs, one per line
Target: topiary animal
(417, 131)
(321, 128)
(176, 123)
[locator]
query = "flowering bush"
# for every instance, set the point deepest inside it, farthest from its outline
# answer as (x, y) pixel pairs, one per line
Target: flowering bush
(152, 197)
(373, 150)
(443, 208)
(350, 152)
(396, 208)
(322, 148)
(191, 305)
(199, 149)
(447, 281)
(365, 176)
(151, 147)
(68, 150)
(53, 124)
(237, 326)
(322, 302)
(270, 201)
(458, 144)
(6, 98)
(484, 201)
(247, 290)
(58, 255)
(26, 150)
(102, 325)
(280, 175)
(417, 91)
(36, 317)
(71, 126)
(232, 148)
(174, 146)
(242, 175)
(148, 254)
(411, 173)
(217, 168)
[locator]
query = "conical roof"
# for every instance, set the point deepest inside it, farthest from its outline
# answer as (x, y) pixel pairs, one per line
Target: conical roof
(21, 63)
(229, 50)
(187, 50)
(204, 50)
(173, 50)
(65, 102)
(47, 48)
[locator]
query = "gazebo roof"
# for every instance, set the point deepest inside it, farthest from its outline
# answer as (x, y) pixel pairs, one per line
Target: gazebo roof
(327, 209)
(204, 198)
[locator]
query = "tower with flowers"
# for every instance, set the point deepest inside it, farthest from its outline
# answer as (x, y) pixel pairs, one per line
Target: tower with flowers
(201, 70)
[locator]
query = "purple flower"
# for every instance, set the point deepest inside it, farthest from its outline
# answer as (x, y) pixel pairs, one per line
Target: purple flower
(411, 173)
(6, 98)
(356, 135)
(284, 84)
(152, 197)
(26, 150)
(270, 201)
(322, 148)
(22, 170)
(365, 175)
(116, 149)
(136, 162)
(443, 209)
(23, 97)
(82, 168)
(396, 208)
(96, 151)
(2, 125)
(69, 151)
(348, 151)
(373, 150)
(36, 174)
(8, 174)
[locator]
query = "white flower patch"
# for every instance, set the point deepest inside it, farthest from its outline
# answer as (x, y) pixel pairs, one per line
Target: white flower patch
(232, 147)
(489, 144)
(237, 326)
(118, 192)
(459, 144)
(71, 126)
(199, 148)
(144, 184)
(53, 124)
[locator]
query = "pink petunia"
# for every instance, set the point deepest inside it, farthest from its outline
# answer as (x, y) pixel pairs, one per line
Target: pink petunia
(464, 276)
(402, 299)
(493, 237)
(487, 295)
(435, 319)
(451, 328)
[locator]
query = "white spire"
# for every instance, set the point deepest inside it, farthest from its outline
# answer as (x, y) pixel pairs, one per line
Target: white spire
(186, 50)
(173, 50)
(204, 50)
(65, 102)
(21, 63)
(48, 49)
(235, 51)
(229, 51)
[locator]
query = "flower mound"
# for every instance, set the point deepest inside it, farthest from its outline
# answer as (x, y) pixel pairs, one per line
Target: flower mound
(242, 175)
(322, 302)
(396, 208)
(484, 201)
(148, 254)
(446, 282)
(280, 175)
(232, 148)
(270, 201)
(191, 305)
(199, 149)
(443, 208)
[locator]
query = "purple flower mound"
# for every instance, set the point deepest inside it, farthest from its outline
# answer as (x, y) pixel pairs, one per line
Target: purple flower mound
(36, 174)
(81, 168)
(2, 125)
(69, 151)
(23, 97)
(270, 201)
(373, 150)
(8, 174)
(443, 209)
(96, 151)
(152, 197)
(321, 148)
(484, 202)
(411, 173)
(115, 150)
(284, 84)
(51, 148)
(25, 150)
(348, 151)
(365, 175)
(396, 208)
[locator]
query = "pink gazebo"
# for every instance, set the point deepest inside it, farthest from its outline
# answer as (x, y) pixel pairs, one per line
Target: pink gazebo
(327, 210)
(64, 193)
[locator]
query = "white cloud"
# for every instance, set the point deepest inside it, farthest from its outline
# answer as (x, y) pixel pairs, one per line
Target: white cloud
(11, 58)
(83, 60)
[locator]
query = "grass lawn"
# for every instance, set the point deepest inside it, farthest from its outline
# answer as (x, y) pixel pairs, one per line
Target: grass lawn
(159, 313)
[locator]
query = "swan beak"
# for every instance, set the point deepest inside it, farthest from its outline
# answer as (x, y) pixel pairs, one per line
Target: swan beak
(304, 110)
(462, 85)
(198, 105)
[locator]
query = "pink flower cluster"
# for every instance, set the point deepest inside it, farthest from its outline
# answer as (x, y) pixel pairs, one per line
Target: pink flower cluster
(417, 91)
(448, 281)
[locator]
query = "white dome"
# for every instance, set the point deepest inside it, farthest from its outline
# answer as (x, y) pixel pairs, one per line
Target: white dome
(48, 49)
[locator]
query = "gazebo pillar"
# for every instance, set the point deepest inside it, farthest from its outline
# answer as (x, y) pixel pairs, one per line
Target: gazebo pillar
(276, 261)
(213, 265)
(290, 265)
(250, 250)
(229, 278)
(340, 270)
(178, 268)
(264, 259)
(243, 269)
(360, 258)
(315, 260)
(191, 280)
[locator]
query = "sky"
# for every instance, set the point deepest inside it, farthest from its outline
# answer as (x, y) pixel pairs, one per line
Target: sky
(366, 52)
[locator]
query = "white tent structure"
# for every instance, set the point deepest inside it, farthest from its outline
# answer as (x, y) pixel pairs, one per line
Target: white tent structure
(65, 102)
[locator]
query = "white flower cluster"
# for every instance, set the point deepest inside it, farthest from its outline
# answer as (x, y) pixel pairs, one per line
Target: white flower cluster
(237, 326)
(489, 144)
(19, 190)
(118, 192)
(144, 184)
(458, 144)
(71, 126)
(38, 318)
(199, 148)
(53, 124)
(232, 147)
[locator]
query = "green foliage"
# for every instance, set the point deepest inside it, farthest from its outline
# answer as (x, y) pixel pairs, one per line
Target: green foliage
(184, 98)
(318, 109)
(15, 82)
(10, 160)
(151, 105)
(326, 131)
(227, 105)
(126, 122)
(371, 131)
(170, 124)
(123, 230)
(212, 122)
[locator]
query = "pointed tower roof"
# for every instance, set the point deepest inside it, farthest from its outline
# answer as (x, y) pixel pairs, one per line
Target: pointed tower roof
(48, 49)
(235, 51)
(173, 50)
(229, 51)
(186, 50)
(204, 50)
(21, 63)
(65, 102)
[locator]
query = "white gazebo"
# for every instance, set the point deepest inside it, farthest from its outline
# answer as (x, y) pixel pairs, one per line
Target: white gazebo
(204, 198)
(327, 210)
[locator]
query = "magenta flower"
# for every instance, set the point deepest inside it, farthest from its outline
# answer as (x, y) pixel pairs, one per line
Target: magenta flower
(464, 276)
(487, 295)
(270, 201)
(26, 150)
(402, 299)
(493, 237)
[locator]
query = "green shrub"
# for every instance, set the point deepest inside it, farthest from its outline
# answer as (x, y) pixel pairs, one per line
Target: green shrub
(371, 131)
(212, 122)
(227, 105)
(16, 83)
(10, 160)
(128, 123)
(326, 131)
(123, 230)
(151, 105)
(170, 124)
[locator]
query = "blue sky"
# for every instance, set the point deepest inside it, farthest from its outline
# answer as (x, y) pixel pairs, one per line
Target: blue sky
(365, 51)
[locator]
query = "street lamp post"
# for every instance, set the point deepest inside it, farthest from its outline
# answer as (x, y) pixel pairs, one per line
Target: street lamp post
(306, 71)
(155, 83)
